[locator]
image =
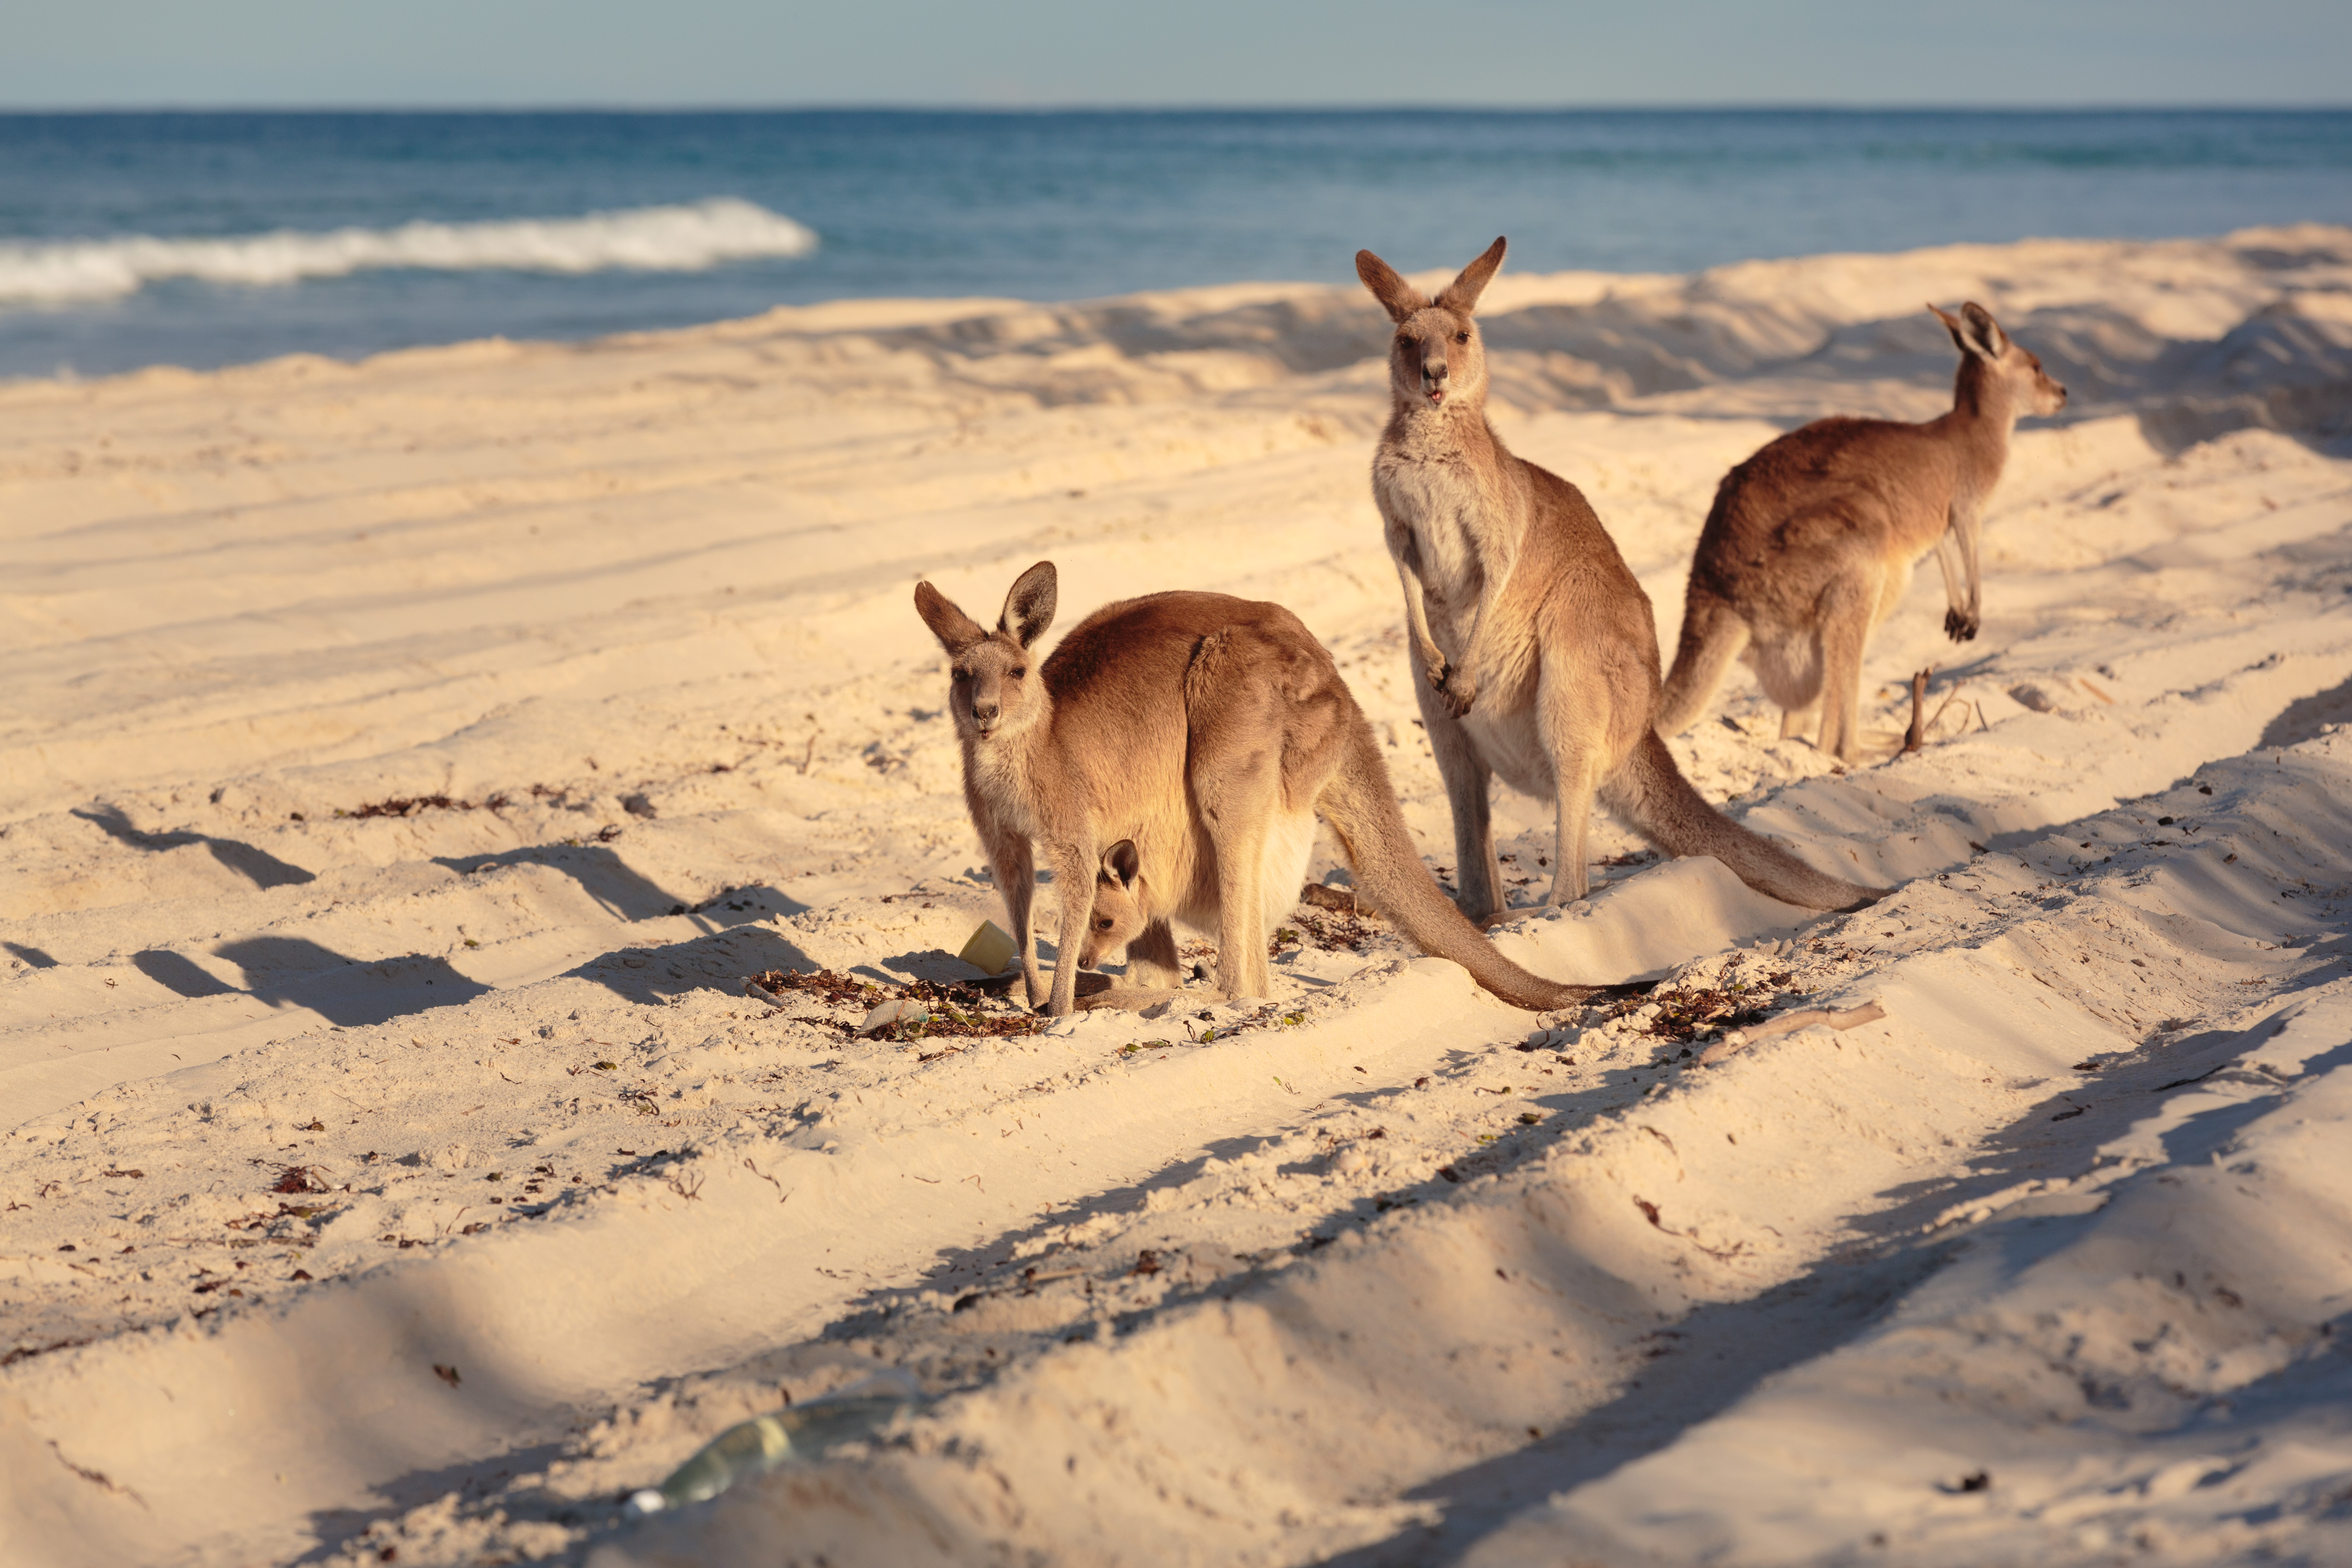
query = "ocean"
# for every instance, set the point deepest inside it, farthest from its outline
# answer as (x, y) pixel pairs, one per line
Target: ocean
(203, 240)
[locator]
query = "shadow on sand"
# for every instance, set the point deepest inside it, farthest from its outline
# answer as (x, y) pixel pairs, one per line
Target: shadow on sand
(259, 866)
(292, 971)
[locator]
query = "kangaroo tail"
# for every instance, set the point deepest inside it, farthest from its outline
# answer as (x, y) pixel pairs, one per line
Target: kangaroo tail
(1713, 635)
(1361, 805)
(1651, 792)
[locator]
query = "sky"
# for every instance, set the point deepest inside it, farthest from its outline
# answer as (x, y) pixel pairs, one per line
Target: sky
(97, 54)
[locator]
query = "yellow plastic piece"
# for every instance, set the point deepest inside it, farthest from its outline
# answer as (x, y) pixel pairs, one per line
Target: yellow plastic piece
(990, 949)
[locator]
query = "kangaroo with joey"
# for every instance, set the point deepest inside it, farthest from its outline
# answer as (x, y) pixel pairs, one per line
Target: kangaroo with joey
(1168, 761)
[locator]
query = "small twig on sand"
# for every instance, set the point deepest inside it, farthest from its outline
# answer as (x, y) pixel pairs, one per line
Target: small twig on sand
(1918, 730)
(1949, 698)
(1342, 899)
(808, 752)
(1789, 1023)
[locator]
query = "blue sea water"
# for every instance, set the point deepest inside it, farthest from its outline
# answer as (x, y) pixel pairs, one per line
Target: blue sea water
(204, 239)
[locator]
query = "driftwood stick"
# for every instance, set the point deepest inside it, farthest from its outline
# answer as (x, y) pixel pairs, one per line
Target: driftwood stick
(1789, 1023)
(1918, 730)
(1340, 899)
(1147, 998)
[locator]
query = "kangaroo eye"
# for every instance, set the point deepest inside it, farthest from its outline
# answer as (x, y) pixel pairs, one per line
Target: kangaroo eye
(1020, 670)
(961, 675)
(1102, 925)
(1461, 337)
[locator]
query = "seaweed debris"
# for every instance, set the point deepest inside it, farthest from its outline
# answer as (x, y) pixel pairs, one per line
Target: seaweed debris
(408, 805)
(954, 1009)
(1685, 1012)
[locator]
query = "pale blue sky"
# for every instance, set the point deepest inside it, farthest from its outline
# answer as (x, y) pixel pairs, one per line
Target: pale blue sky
(688, 53)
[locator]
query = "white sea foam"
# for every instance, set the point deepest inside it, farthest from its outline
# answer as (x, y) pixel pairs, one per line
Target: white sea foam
(683, 238)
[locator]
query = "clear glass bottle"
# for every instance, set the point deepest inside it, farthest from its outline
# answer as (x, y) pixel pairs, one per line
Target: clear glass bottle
(798, 1433)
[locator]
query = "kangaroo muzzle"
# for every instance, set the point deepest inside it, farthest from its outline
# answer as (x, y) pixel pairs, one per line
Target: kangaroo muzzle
(1433, 377)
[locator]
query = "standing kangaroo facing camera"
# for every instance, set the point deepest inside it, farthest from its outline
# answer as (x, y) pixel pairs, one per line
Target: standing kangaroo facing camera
(1811, 542)
(1535, 646)
(1185, 744)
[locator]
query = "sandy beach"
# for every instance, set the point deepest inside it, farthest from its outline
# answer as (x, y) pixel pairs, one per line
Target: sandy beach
(405, 766)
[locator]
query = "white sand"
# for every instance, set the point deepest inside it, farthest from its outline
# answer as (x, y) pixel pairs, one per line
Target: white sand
(2075, 1216)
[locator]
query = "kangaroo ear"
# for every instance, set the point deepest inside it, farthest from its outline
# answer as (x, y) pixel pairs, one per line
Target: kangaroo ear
(1985, 331)
(1461, 296)
(1397, 297)
(1029, 607)
(955, 630)
(1974, 331)
(1121, 863)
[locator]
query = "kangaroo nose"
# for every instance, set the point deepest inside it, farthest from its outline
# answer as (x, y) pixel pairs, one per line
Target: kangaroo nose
(984, 713)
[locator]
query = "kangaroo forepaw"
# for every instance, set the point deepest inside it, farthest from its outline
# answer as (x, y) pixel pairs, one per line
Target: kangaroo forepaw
(1458, 689)
(1959, 625)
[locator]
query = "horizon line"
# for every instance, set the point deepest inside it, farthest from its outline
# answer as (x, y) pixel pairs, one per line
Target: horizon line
(1014, 110)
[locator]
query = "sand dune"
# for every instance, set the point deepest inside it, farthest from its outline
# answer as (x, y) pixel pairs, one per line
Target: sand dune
(403, 766)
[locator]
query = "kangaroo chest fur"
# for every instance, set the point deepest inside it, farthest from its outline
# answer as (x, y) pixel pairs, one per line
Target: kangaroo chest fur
(998, 774)
(1431, 491)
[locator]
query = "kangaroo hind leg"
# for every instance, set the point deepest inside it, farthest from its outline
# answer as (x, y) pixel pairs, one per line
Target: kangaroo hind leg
(1239, 809)
(1847, 608)
(1236, 708)
(1578, 781)
(1571, 713)
(1799, 722)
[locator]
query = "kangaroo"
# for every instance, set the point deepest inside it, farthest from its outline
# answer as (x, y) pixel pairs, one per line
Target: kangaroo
(1534, 646)
(1194, 732)
(1811, 542)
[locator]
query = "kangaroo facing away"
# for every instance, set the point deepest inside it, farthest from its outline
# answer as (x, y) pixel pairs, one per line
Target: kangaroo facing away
(1811, 542)
(1537, 655)
(1199, 735)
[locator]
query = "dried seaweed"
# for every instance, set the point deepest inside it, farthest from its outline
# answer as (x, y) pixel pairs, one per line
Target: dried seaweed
(408, 805)
(1685, 1011)
(839, 990)
(1333, 930)
(954, 1008)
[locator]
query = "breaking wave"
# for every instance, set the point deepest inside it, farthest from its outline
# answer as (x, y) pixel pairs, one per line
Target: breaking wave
(683, 238)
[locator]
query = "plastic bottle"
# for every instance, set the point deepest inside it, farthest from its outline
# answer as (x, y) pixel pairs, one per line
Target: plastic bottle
(799, 1433)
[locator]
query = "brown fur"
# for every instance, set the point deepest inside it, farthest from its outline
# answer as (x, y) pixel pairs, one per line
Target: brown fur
(1537, 655)
(1811, 542)
(1188, 725)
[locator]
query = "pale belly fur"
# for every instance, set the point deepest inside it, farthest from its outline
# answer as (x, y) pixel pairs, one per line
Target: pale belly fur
(1510, 746)
(1289, 844)
(1282, 869)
